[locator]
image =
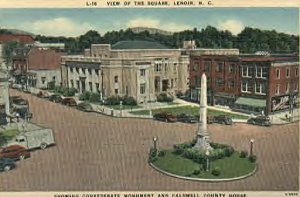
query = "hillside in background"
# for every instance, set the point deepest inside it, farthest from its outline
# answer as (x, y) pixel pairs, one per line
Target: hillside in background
(249, 40)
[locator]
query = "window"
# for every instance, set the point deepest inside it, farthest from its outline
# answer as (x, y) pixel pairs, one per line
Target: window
(71, 69)
(43, 79)
(126, 90)
(91, 86)
(287, 87)
(260, 88)
(287, 72)
(142, 72)
(207, 66)
(219, 67)
(116, 79)
(172, 83)
(90, 71)
(83, 70)
(219, 82)
(195, 67)
(277, 89)
(157, 67)
(231, 68)
(53, 78)
(231, 84)
(245, 71)
(78, 84)
(77, 70)
(97, 71)
(142, 88)
(116, 91)
(296, 72)
(277, 73)
(197, 81)
(246, 86)
(175, 67)
(261, 72)
(72, 83)
(97, 87)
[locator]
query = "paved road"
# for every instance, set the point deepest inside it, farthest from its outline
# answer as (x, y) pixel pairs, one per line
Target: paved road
(95, 152)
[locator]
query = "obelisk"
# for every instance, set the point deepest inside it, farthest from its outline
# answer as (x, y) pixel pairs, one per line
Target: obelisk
(202, 133)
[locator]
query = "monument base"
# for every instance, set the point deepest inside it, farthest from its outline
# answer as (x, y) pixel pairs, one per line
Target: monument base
(202, 143)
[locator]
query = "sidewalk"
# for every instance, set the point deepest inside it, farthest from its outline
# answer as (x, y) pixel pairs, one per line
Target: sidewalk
(278, 118)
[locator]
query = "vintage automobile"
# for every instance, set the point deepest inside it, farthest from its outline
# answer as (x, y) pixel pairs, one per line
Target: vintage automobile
(84, 106)
(69, 102)
(260, 120)
(14, 152)
(6, 164)
(221, 119)
(186, 118)
(55, 98)
(164, 116)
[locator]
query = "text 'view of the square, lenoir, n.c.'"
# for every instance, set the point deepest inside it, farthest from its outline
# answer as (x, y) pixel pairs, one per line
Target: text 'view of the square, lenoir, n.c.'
(149, 99)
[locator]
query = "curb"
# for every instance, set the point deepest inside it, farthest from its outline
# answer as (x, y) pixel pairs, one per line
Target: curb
(204, 180)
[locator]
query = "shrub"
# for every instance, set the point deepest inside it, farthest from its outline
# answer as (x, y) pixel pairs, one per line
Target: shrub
(252, 158)
(94, 97)
(243, 154)
(179, 148)
(129, 101)
(228, 151)
(162, 153)
(217, 146)
(163, 97)
(51, 85)
(196, 172)
(113, 100)
(152, 155)
(85, 96)
(216, 171)
(69, 92)
(195, 155)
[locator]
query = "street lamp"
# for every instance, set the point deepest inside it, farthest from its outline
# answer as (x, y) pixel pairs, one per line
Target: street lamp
(207, 159)
(155, 143)
(121, 105)
(251, 146)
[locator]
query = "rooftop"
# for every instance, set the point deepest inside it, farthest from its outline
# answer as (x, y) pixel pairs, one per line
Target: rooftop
(136, 44)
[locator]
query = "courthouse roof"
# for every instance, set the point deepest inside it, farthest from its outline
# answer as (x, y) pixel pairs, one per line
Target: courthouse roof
(136, 44)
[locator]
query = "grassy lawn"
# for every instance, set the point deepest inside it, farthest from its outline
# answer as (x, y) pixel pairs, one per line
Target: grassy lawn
(230, 167)
(192, 110)
(7, 135)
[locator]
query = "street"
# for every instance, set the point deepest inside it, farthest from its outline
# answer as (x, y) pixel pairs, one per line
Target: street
(96, 152)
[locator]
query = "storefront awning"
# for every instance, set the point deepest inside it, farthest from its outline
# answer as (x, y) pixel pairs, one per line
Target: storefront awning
(251, 102)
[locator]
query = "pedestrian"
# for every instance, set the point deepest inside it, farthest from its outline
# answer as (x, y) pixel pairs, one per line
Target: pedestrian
(18, 116)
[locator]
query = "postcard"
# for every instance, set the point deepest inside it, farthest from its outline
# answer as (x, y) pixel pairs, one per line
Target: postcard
(149, 98)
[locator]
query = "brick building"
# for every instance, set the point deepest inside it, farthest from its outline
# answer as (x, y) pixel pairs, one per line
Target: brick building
(222, 70)
(268, 83)
(37, 67)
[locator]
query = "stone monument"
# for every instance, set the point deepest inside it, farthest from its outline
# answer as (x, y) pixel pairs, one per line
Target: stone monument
(202, 133)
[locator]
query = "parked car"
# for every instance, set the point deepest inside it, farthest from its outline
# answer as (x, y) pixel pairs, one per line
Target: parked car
(164, 116)
(18, 102)
(42, 94)
(84, 107)
(3, 119)
(14, 152)
(223, 119)
(23, 113)
(55, 98)
(186, 118)
(69, 102)
(260, 120)
(6, 164)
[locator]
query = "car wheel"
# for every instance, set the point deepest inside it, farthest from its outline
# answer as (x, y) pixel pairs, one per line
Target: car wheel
(43, 146)
(21, 157)
(7, 168)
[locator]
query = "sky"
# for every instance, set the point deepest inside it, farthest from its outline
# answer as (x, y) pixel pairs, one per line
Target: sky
(75, 22)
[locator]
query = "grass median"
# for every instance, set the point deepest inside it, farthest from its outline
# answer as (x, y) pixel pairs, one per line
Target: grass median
(191, 110)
